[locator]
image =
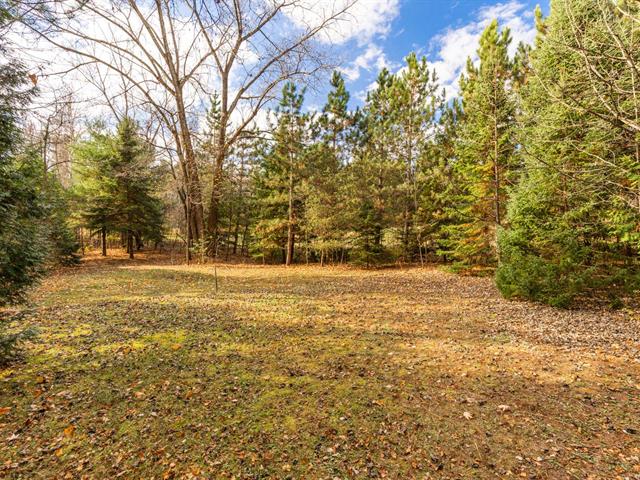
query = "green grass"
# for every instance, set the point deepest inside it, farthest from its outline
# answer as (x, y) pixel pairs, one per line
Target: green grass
(142, 370)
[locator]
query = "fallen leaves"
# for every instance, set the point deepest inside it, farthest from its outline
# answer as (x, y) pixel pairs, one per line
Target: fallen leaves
(313, 373)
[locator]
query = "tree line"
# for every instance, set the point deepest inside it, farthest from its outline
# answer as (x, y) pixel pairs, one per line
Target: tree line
(533, 172)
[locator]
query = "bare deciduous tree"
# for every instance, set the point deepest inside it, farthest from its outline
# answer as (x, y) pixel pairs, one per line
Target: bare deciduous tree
(171, 54)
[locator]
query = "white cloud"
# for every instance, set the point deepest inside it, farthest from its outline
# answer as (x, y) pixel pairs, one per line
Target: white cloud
(455, 45)
(372, 58)
(362, 94)
(361, 21)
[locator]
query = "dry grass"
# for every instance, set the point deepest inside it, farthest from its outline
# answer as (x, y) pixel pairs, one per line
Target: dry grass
(142, 370)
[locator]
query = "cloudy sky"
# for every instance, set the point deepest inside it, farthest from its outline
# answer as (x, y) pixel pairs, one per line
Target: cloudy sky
(446, 32)
(375, 34)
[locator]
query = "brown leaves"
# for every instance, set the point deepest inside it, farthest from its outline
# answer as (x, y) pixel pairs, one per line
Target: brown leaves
(311, 373)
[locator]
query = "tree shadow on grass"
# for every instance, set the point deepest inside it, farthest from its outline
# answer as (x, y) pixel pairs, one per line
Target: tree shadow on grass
(152, 386)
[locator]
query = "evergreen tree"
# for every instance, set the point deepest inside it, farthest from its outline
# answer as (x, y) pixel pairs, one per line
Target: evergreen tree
(63, 245)
(486, 159)
(139, 211)
(278, 179)
(23, 240)
(117, 186)
(94, 190)
(439, 184)
(326, 225)
(219, 181)
(236, 207)
(373, 176)
(573, 220)
(415, 102)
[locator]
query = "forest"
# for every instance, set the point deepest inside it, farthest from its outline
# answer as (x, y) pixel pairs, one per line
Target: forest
(413, 280)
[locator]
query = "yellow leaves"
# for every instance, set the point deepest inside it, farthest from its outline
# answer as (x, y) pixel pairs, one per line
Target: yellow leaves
(176, 346)
(124, 349)
(69, 431)
(170, 472)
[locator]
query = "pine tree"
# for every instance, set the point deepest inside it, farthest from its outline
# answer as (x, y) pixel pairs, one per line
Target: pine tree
(219, 183)
(117, 185)
(139, 211)
(278, 179)
(95, 186)
(373, 176)
(239, 202)
(439, 185)
(486, 160)
(23, 240)
(325, 222)
(573, 220)
(415, 102)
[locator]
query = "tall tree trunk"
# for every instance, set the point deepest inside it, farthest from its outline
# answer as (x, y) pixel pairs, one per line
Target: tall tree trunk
(496, 168)
(213, 219)
(290, 234)
(236, 234)
(193, 186)
(103, 236)
(130, 243)
(244, 247)
(221, 152)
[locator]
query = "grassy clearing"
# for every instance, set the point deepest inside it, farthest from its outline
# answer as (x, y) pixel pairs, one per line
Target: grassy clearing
(142, 370)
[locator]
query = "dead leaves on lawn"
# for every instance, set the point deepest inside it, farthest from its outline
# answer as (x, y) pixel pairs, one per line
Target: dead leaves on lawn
(146, 372)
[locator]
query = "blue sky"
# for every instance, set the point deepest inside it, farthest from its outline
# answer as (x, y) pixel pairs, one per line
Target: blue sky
(445, 31)
(374, 34)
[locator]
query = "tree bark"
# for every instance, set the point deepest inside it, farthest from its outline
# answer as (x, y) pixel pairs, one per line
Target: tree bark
(496, 167)
(103, 236)
(194, 189)
(130, 243)
(214, 206)
(221, 153)
(290, 234)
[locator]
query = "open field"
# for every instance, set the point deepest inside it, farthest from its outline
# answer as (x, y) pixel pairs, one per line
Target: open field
(141, 370)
